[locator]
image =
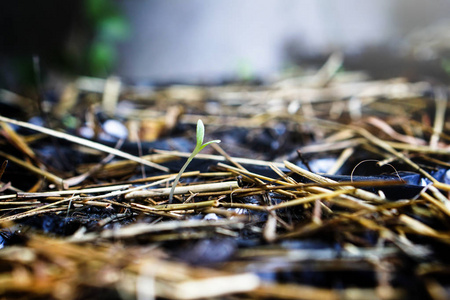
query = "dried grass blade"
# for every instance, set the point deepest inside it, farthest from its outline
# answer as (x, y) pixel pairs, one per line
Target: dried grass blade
(308, 199)
(84, 142)
(17, 141)
(385, 146)
(251, 174)
(214, 286)
(345, 155)
(184, 206)
(51, 177)
(293, 291)
(436, 203)
(422, 229)
(441, 99)
(317, 178)
(380, 124)
(3, 168)
(31, 213)
(239, 160)
(419, 148)
(270, 228)
(143, 228)
(209, 187)
(74, 192)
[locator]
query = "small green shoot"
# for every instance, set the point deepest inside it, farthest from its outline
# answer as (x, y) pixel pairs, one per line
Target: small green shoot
(199, 147)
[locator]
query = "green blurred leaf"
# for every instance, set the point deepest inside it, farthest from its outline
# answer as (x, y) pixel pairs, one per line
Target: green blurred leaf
(209, 143)
(70, 121)
(445, 64)
(101, 58)
(97, 9)
(113, 28)
(200, 133)
(245, 70)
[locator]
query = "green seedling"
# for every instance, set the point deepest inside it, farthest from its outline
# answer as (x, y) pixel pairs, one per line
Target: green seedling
(199, 147)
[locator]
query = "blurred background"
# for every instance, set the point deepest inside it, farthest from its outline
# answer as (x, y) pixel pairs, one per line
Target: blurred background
(209, 41)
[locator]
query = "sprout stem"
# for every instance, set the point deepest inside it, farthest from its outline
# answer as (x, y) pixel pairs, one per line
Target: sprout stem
(198, 147)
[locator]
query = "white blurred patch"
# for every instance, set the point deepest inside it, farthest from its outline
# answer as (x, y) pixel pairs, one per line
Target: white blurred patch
(211, 217)
(322, 165)
(86, 132)
(115, 128)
